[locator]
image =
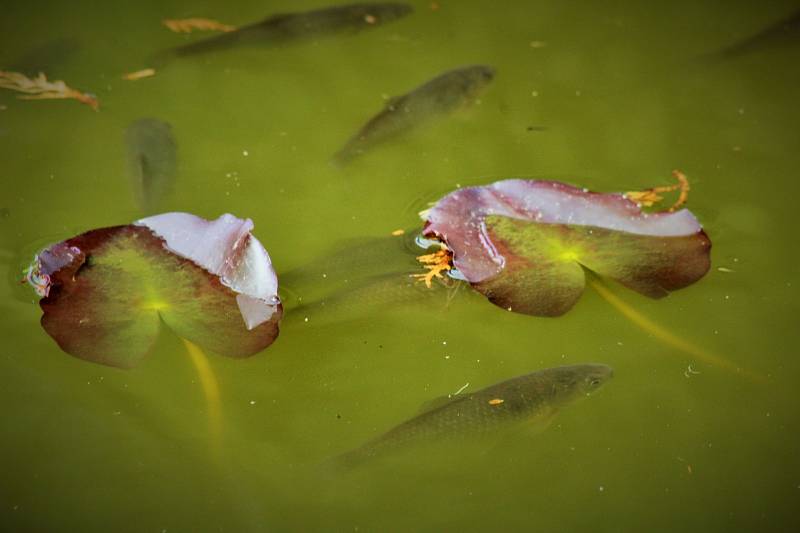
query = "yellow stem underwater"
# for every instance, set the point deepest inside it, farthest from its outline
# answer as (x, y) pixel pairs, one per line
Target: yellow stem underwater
(210, 385)
(668, 337)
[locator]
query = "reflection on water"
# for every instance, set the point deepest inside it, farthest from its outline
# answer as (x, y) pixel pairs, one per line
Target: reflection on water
(676, 444)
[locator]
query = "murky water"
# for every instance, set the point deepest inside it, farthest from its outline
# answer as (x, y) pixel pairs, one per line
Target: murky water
(606, 96)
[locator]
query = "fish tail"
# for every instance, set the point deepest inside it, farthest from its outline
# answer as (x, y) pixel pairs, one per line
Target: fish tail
(161, 59)
(343, 157)
(346, 462)
(209, 44)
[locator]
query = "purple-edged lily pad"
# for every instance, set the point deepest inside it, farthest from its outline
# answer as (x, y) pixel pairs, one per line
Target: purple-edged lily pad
(106, 292)
(524, 243)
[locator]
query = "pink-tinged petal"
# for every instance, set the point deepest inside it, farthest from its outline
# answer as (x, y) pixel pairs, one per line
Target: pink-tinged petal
(224, 247)
(108, 290)
(523, 242)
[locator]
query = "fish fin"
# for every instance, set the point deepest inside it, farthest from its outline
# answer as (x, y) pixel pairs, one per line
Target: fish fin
(440, 401)
(394, 102)
(541, 421)
(527, 429)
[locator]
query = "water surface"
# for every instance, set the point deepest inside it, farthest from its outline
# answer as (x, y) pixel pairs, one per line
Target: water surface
(624, 93)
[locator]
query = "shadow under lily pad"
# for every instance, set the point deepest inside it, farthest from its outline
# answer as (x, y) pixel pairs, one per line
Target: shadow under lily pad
(105, 292)
(524, 243)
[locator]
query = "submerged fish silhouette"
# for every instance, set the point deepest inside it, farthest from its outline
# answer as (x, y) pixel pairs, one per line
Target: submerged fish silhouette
(784, 32)
(441, 95)
(287, 27)
(48, 57)
(152, 161)
(534, 397)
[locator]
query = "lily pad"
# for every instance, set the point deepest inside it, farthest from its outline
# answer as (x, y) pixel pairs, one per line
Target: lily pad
(525, 243)
(107, 291)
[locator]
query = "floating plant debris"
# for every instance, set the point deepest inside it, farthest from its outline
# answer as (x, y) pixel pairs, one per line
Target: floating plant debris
(524, 243)
(39, 88)
(105, 292)
(139, 74)
(191, 24)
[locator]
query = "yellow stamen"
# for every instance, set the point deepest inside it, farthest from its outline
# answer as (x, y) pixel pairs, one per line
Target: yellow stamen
(649, 197)
(436, 263)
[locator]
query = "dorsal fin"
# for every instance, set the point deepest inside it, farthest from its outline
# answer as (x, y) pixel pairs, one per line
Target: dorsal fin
(440, 401)
(394, 102)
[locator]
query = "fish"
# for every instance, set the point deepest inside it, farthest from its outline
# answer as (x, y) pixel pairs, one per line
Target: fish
(49, 57)
(439, 96)
(152, 161)
(364, 298)
(287, 27)
(785, 32)
(536, 398)
(355, 258)
(356, 277)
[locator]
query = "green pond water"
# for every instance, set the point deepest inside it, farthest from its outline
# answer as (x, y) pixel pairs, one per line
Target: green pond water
(618, 94)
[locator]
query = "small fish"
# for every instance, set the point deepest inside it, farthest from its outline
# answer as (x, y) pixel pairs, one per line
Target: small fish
(357, 276)
(49, 57)
(152, 161)
(364, 298)
(535, 397)
(287, 27)
(785, 32)
(355, 258)
(441, 95)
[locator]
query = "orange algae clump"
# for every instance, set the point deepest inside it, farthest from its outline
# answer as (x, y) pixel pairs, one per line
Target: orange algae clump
(191, 24)
(649, 197)
(436, 263)
(496, 401)
(39, 88)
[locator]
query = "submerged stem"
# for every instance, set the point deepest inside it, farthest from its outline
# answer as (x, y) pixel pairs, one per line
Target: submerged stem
(668, 337)
(210, 385)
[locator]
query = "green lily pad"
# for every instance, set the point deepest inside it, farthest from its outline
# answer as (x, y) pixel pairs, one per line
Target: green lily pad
(544, 263)
(107, 291)
(525, 243)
